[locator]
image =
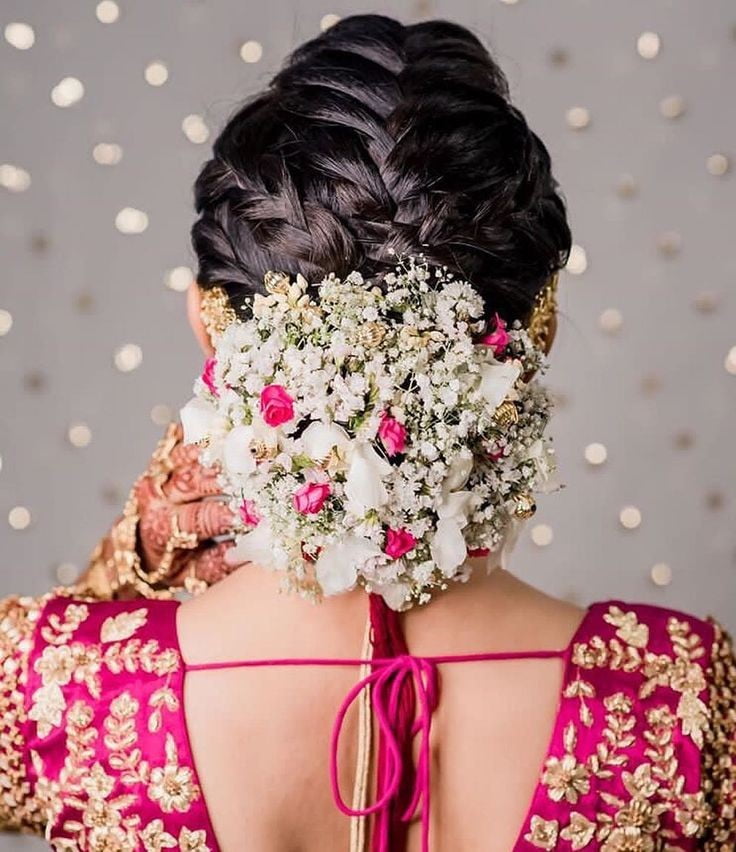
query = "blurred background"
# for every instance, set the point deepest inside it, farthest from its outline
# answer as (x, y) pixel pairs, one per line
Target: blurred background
(108, 110)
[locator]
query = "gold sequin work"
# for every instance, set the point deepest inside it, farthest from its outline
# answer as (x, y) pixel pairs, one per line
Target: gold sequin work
(104, 764)
(95, 753)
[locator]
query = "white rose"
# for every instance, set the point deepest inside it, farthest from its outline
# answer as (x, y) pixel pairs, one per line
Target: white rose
(338, 564)
(258, 546)
(199, 419)
(364, 486)
(448, 546)
(319, 438)
(497, 379)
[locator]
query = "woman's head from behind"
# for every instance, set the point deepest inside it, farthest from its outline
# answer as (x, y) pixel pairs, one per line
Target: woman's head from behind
(376, 140)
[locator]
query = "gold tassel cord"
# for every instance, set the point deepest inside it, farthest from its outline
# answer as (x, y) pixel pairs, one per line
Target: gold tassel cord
(358, 824)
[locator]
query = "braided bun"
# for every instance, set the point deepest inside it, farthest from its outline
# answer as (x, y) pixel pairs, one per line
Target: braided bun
(375, 139)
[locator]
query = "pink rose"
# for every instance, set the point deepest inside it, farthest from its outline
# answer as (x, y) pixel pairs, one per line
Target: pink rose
(310, 497)
(248, 514)
(499, 338)
(392, 434)
(277, 406)
(398, 542)
(208, 376)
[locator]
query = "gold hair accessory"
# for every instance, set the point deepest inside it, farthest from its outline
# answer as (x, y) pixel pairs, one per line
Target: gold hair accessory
(543, 314)
(215, 311)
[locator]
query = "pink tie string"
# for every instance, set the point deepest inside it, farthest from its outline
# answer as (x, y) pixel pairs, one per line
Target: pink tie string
(386, 682)
(388, 676)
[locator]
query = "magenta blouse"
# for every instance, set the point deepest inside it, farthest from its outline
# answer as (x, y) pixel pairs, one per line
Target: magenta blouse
(94, 751)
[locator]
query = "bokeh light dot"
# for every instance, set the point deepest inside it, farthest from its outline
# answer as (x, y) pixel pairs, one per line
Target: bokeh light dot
(578, 118)
(578, 261)
(14, 178)
(730, 362)
(66, 573)
(669, 243)
(156, 73)
(717, 165)
(673, 106)
(542, 534)
(630, 517)
(179, 278)
(161, 414)
(648, 45)
(707, 302)
(20, 35)
(195, 129)
(107, 12)
(6, 322)
(19, 518)
(130, 220)
(684, 439)
(128, 357)
(611, 320)
(67, 92)
(559, 57)
(596, 453)
(79, 435)
(107, 153)
(661, 574)
(328, 21)
(627, 186)
(251, 51)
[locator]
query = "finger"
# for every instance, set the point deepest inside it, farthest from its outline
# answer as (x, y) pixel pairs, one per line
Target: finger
(185, 454)
(206, 519)
(207, 564)
(192, 482)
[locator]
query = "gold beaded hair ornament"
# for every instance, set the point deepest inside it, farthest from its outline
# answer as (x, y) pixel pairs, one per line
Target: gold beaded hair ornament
(217, 314)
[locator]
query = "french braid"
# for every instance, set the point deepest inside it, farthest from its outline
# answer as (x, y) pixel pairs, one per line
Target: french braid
(377, 139)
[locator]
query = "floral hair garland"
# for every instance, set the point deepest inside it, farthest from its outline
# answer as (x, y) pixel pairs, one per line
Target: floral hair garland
(373, 434)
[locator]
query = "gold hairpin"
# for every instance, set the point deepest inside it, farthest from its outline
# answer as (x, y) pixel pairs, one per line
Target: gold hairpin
(543, 314)
(215, 311)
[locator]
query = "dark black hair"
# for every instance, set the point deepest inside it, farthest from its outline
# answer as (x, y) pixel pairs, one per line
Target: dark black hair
(375, 137)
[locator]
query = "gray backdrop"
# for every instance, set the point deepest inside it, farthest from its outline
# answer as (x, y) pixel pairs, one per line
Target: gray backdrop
(641, 363)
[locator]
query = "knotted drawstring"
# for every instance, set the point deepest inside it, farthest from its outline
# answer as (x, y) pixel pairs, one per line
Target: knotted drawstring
(386, 682)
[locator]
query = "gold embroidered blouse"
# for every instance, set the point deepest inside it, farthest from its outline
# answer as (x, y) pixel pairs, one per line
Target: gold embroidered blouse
(94, 752)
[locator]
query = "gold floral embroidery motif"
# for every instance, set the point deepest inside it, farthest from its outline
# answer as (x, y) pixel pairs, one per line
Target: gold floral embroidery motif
(172, 786)
(19, 809)
(579, 832)
(543, 833)
(105, 787)
(565, 777)
(156, 838)
(719, 753)
(64, 660)
(161, 699)
(655, 786)
(123, 625)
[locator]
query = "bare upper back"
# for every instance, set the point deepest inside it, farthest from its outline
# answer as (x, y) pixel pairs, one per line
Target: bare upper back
(261, 736)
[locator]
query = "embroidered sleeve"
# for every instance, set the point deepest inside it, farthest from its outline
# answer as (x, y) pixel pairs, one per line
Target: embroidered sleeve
(18, 807)
(719, 753)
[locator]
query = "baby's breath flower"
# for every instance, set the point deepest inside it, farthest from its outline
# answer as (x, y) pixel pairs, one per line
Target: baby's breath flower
(387, 384)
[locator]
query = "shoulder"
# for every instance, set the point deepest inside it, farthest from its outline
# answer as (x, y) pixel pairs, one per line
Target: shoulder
(649, 626)
(675, 675)
(65, 618)
(84, 648)
(659, 656)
